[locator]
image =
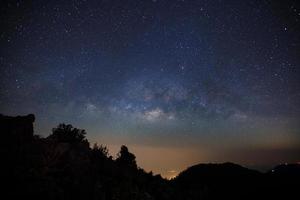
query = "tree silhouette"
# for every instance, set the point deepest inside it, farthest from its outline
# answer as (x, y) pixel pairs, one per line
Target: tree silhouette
(100, 150)
(63, 166)
(126, 158)
(67, 133)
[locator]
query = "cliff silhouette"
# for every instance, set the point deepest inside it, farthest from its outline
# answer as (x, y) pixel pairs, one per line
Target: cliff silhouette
(65, 166)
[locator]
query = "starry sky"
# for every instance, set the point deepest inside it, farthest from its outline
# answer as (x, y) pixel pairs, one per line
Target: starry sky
(179, 82)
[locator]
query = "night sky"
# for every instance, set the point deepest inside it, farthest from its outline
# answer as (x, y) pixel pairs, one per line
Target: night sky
(178, 82)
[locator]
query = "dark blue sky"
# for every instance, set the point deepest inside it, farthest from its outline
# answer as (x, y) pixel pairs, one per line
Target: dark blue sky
(216, 77)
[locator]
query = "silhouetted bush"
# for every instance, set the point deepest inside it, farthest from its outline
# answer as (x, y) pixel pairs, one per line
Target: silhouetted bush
(100, 151)
(126, 158)
(69, 134)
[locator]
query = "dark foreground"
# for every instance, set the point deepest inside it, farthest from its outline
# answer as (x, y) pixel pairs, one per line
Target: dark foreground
(64, 166)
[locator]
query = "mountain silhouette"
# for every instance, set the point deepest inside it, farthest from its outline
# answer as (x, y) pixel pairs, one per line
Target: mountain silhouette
(64, 166)
(232, 181)
(215, 181)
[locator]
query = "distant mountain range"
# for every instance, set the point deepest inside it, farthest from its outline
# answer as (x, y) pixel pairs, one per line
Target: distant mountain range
(217, 181)
(64, 166)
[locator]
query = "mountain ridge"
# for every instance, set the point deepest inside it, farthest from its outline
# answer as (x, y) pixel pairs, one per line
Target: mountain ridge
(64, 166)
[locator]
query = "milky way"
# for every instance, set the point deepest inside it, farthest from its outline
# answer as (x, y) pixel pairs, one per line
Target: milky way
(216, 77)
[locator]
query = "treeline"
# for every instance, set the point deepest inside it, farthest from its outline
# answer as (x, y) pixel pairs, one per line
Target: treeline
(63, 166)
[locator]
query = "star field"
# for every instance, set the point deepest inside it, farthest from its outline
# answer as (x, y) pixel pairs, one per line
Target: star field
(216, 77)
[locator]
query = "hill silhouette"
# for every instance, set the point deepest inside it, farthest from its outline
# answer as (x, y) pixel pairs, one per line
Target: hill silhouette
(64, 166)
(215, 181)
